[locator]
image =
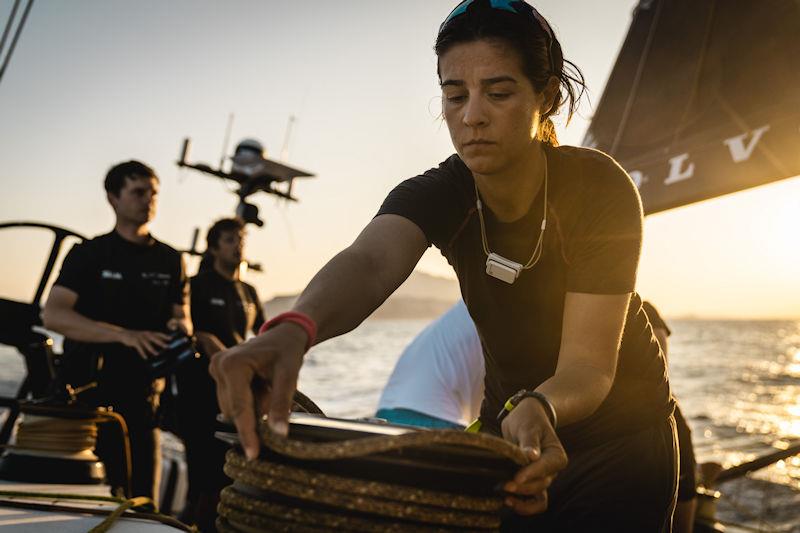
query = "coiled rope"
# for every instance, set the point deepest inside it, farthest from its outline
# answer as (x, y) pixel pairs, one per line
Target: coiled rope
(63, 436)
(294, 490)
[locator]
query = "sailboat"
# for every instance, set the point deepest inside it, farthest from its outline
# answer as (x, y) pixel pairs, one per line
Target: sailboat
(703, 101)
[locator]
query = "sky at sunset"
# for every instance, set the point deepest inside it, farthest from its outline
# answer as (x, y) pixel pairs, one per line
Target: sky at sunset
(96, 82)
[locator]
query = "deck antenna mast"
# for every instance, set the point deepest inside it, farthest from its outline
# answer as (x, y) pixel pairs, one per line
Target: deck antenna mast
(226, 140)
(285, 149)
(286, 138)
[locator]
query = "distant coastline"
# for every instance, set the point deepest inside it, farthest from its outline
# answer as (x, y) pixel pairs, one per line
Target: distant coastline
(421, 297)
(425, 297)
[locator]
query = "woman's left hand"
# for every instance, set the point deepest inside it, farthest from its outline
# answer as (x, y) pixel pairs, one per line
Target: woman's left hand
(527, 425)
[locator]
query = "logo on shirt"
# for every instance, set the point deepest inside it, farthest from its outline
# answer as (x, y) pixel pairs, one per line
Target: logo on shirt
(217, 301)
(156, 275)
(157, 278)
(109, 274)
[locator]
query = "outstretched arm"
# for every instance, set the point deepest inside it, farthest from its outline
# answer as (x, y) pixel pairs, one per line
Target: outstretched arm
(587, 359)
(341, 295)
(360, 278)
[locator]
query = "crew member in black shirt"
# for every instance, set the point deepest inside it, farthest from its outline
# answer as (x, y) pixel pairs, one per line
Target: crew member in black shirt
(224, 310)
(115, 299)
(545, 242)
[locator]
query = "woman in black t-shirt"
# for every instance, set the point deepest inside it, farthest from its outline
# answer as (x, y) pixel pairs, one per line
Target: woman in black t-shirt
(545, 242)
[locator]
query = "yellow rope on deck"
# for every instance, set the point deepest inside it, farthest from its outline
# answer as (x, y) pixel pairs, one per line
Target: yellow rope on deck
(106, 524)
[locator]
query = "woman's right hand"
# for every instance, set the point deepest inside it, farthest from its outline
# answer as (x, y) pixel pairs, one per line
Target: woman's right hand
(259, 377)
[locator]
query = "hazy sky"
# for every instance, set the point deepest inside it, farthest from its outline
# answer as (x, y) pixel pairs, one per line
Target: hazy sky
(94, 83)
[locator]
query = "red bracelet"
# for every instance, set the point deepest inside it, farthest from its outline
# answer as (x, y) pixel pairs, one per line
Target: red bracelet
(301, 319)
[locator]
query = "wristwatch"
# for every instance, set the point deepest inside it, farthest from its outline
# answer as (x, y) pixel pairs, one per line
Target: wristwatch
(512, 402)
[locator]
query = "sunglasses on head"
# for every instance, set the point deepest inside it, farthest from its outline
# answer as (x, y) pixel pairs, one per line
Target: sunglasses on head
(517, 7)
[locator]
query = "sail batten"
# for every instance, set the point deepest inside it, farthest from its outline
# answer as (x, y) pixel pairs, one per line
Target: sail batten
(704, 99)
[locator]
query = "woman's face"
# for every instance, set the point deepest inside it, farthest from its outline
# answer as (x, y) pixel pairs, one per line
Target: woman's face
(491, 108)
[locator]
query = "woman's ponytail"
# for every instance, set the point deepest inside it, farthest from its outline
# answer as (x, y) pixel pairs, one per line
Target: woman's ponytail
(547, 132)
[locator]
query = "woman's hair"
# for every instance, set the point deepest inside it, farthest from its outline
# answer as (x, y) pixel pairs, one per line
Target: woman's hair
(520, 26)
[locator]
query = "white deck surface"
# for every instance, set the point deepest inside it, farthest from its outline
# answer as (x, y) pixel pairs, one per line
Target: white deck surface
(18, 520)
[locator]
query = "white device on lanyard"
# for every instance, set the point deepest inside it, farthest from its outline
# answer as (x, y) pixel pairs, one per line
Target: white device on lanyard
(503, 269)
(500, 267)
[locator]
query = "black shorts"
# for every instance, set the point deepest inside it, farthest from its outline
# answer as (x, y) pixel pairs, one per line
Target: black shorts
(625, 485)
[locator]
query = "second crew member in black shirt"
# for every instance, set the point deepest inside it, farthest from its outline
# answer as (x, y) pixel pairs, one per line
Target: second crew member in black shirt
(116, 297)
(224, 309)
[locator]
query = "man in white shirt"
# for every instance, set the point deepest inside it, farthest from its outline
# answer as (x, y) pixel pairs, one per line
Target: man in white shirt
(438, 380)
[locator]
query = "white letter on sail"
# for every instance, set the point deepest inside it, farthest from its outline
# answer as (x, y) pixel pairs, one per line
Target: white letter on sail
(740, 152)
(675, 172)
(638, 178)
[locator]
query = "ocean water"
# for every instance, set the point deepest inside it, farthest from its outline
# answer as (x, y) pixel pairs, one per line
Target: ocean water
(738, 383)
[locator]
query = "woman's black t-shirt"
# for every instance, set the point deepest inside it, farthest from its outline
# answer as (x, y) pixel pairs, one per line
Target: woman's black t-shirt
(591, 245)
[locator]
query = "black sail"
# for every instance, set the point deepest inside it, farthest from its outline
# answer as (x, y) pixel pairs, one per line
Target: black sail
(704, 99)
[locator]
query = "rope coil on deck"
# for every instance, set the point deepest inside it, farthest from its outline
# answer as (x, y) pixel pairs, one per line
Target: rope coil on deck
(65, 436)
(289, 494)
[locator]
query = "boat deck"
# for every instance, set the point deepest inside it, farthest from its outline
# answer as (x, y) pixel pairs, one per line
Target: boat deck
(26, 514)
